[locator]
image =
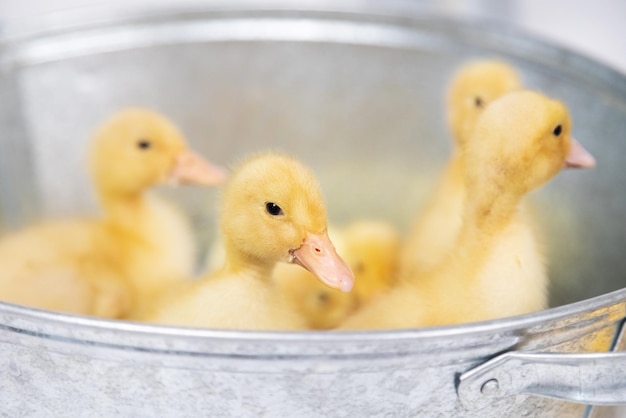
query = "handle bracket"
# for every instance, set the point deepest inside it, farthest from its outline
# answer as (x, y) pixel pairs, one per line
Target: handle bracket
(593, 378)
(587, 378)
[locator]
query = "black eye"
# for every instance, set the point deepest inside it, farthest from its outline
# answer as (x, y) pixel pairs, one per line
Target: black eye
(273, 209)
(144, 144)
(323, 297)
(359, 268)
(557, 131)
(478, 101)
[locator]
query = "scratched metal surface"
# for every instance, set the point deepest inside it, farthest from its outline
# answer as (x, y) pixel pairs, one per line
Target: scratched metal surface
(357, 92)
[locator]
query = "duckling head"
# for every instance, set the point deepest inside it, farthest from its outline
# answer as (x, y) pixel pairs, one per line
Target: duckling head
(371, 249)
(272, 210)
(321, 306)
(139, 148)
(473, 87)
(327, 308)
(521, 141)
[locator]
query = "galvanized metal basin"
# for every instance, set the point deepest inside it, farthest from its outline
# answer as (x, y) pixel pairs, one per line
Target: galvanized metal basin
(357, 92)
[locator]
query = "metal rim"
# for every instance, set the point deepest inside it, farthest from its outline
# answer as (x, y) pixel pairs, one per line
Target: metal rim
(61, 321)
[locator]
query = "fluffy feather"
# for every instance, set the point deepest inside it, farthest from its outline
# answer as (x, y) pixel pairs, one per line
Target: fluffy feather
(496, 269)
(371, 250)
(433, 233)
(111, 266)
(272, 211)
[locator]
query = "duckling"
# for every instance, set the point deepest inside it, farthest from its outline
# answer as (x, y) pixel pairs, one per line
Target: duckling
(271, 211)
(433, 233)
(370, 249)
(107, 266)
(496, 268)
(320, 306)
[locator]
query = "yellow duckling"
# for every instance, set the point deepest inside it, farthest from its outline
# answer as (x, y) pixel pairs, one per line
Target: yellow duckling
(271, 211)
(109, 266)
(370, 248)
(434, 232)
(320, 306)
(496, 269)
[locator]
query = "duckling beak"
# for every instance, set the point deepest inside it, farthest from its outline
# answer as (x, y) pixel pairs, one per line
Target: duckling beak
(579, 157)
(318, 255)
(191, 168)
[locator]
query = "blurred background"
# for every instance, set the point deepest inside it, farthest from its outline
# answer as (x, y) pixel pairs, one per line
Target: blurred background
(595, 28)
(282, 106)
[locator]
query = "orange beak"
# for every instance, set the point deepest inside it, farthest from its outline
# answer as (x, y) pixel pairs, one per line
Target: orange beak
(191, 168)
(579, 157)
(318, 255)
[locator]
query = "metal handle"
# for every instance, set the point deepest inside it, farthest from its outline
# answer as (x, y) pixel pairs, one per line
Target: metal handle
(592, 378)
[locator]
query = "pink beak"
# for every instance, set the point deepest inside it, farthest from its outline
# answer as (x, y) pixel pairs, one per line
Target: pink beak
(318, 255)
(191, 168)
(579, 157)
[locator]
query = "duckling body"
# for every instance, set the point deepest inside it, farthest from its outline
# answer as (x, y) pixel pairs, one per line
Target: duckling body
(504, 270)
(50, 266)
(496, 268)
(112, 265)
(434, 231)
(271, 211)
(246, 300)
(155, 246)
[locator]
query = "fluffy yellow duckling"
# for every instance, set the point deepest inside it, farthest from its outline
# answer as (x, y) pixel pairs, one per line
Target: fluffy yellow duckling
(110, 265)
(434, 232)
(496, 269)
(271, 211)
(320, 306)
(370, 248)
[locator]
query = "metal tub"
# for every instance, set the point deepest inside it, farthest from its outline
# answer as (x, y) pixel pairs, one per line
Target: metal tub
(344, 88)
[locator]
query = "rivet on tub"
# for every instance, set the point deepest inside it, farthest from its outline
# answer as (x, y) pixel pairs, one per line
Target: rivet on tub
(490, 387)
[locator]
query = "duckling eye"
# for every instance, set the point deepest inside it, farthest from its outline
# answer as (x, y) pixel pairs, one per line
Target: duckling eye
(273, 209)
(144, 144)
(323, 297)
(478, 101)
(557, 131)
(359, 268)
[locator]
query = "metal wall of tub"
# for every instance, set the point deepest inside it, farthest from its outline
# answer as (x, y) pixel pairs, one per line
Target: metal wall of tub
(342, 89)
(56, 365)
